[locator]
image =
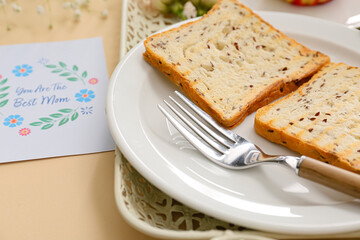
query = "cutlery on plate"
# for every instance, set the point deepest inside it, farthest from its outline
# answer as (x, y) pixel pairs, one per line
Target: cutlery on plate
(353, 22)
(230, 150)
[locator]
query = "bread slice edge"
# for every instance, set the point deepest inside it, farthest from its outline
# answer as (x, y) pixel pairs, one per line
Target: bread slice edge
(292, 141)
(281, 87)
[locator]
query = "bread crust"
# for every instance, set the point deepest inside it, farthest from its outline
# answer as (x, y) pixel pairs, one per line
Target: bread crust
(296, 143)
(304, 148)
(274, 91)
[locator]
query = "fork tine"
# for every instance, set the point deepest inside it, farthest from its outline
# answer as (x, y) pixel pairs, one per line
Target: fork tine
(207, 139)
(229, 134)
(198, 144)
(202, 125)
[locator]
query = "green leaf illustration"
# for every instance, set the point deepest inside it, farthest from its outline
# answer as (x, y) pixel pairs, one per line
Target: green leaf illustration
(71, 73)
(3, 103)
(50, 66)
(74, 116)
(45, 119)
(36, 124)
(3, 95)
(47, 126)
(4, 89)
(73, 79)
(60, 118)
(65, 110)
(65, 74)
(56, 115)
(62, 64)
(63, 121)
(3, 81)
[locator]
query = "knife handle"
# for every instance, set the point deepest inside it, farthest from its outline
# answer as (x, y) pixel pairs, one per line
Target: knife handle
(330, 176)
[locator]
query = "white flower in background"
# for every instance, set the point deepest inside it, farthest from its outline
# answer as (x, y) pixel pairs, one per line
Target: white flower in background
(40, 10)
(189, 10)
(184, 9)
(66, 5)
(77, 14)
(104, 14)
(76, 6)
(16, 7)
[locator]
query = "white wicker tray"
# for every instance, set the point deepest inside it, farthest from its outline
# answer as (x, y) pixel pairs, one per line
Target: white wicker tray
(144, 206)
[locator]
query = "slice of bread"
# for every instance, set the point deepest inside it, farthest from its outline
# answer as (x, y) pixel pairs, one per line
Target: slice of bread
(321, 119)
(231, 62)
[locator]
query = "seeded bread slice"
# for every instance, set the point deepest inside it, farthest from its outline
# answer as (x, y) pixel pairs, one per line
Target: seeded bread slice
(231, 62)
(321, 119)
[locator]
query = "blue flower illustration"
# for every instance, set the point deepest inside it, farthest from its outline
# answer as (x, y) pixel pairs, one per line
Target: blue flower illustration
(22, 71)
(85, 95)
(87, 110)
(13, 120)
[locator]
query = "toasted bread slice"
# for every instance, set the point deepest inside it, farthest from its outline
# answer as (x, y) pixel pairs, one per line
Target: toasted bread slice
(321, 119)
(231, 62)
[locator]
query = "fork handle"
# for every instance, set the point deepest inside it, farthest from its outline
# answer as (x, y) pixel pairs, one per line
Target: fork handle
(330, 176)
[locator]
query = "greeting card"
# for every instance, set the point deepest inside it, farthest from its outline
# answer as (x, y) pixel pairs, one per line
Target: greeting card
(52, 100)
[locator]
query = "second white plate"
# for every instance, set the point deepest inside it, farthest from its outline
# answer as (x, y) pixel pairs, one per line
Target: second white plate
(268, 198)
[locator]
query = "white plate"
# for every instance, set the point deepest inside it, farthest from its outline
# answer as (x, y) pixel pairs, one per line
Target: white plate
(269, 198)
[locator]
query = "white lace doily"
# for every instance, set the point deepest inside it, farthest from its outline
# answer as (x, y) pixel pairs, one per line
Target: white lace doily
(143, 205)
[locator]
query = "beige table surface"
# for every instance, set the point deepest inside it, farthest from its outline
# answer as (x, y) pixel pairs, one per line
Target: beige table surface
(64, 197)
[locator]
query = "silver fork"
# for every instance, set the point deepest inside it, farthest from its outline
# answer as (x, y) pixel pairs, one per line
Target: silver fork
(230, 150)
(353, 22)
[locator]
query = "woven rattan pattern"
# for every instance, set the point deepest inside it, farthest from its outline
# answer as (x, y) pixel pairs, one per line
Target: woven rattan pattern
(151, 205)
